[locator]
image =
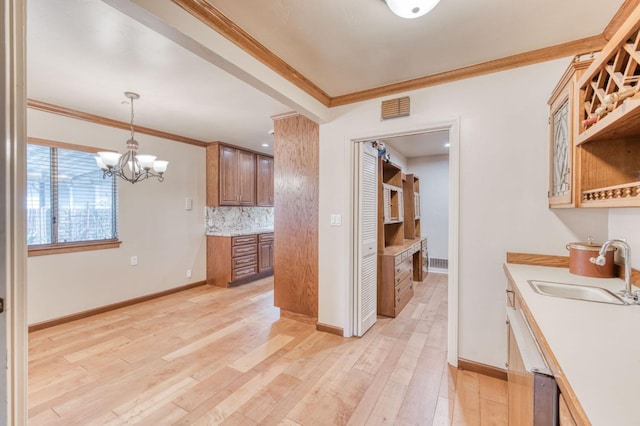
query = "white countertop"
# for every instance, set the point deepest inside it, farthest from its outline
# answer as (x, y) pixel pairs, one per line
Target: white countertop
(597, 345)
(235, 233)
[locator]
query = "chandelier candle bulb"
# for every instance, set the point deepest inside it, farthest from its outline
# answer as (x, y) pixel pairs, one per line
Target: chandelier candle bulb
(146, 161)
(160, 166)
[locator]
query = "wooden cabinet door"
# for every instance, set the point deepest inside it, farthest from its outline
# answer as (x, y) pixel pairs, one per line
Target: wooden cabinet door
(265, 256)
(229, 175)
(264, 180)
(246, 178)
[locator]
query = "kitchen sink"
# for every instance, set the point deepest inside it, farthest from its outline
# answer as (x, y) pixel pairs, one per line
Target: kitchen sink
(575, 291)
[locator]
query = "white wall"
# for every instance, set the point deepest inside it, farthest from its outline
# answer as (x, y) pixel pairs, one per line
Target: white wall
(154, 226)
(433, 172)
(503, 184)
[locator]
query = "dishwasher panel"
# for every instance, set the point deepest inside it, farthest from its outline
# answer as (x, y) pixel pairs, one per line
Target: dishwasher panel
(533, 392)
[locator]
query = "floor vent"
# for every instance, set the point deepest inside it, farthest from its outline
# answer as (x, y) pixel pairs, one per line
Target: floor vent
(438, 263)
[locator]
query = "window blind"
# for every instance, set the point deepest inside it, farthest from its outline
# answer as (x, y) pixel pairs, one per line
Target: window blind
(68, 201)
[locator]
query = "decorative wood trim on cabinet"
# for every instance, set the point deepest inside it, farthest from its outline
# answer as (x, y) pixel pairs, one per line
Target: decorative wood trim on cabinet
(538, 259)
(296, 183)
(487, 370)
(92, 118)
(216, 20)
(338, 331)
(111, 307)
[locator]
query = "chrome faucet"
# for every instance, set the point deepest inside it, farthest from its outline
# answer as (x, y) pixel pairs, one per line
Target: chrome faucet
(626, 254)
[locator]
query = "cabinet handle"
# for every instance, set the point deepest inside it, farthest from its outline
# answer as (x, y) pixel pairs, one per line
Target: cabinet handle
(242, 262)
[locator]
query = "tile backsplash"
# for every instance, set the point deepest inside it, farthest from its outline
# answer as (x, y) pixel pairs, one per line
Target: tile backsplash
(234, 219)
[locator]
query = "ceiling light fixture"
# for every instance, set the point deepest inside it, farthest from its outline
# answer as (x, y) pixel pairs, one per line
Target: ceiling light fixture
(410, 9)
(140, 167)
(265, 145)
(447, 144)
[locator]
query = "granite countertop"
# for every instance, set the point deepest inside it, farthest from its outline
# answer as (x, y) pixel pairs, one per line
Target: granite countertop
(595, 344)
(235, 233)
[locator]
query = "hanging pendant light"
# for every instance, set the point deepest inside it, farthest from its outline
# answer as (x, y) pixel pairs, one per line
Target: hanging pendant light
(411, 8)
(140, 167)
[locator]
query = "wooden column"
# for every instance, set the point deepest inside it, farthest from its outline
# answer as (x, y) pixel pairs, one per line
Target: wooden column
(296, 181)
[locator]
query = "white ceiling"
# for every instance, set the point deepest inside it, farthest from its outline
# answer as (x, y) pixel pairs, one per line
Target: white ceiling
(421, 144)
(344, 46)
(83, 54)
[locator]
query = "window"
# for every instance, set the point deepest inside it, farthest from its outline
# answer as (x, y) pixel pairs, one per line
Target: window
(69, 204)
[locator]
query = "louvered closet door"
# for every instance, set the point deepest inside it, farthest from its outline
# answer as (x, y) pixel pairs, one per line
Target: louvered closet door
(367, 237)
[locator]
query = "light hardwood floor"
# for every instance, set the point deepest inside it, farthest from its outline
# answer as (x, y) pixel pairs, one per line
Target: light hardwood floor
(210, 355)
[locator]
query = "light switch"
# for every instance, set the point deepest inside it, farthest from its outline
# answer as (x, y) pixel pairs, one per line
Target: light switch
(188, 203)
(336, 220)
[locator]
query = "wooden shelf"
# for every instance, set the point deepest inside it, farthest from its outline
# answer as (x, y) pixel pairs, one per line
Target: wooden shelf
(622, 122)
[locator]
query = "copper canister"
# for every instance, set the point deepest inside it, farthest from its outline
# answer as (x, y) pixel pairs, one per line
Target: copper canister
(581, 263)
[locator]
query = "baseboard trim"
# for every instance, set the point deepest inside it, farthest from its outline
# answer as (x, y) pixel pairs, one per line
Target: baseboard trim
(326, 328)
(111, 307)
(487, 370)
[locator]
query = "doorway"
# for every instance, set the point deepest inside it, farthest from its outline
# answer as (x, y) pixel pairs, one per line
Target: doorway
(413, 139)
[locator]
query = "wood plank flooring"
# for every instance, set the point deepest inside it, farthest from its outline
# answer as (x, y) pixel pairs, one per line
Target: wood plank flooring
(209, 356)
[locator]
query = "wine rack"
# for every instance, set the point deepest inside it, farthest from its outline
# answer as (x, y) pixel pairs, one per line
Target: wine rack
(608, 107)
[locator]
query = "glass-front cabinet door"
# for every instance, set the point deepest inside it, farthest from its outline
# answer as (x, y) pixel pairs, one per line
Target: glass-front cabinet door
(561, 148)
(564, 188)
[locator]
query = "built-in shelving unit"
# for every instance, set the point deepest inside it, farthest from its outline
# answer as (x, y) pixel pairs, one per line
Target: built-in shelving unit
(399, 242)
(609, 115)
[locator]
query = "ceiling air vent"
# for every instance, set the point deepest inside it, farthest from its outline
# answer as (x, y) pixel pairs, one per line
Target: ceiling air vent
(394, 108)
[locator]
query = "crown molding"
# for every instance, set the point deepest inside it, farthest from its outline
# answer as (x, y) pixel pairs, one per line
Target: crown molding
(585, 45)
(216, 20)
(72, 113)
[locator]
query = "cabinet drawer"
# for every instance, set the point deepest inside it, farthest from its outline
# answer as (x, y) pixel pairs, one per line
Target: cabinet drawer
(403, 299)
(404, 285)
(240, 262)
(244, 250)
(265, 237)
(397, 260)
(244, 239)
(403, 276)
(243, 272)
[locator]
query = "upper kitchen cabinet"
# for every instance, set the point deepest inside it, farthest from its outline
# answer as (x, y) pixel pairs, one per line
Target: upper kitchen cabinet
(264, 180)
(563, 124)
(609, 122)
(231, 176)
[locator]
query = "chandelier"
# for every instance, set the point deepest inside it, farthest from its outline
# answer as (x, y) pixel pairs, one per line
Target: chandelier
(131, 166)
(411, 8)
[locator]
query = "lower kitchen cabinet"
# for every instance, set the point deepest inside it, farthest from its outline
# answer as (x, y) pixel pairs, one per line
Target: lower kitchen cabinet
(237, 260)
(265, 253)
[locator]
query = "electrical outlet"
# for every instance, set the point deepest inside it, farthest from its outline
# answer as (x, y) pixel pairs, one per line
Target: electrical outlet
(188, 273)
(134, 260)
